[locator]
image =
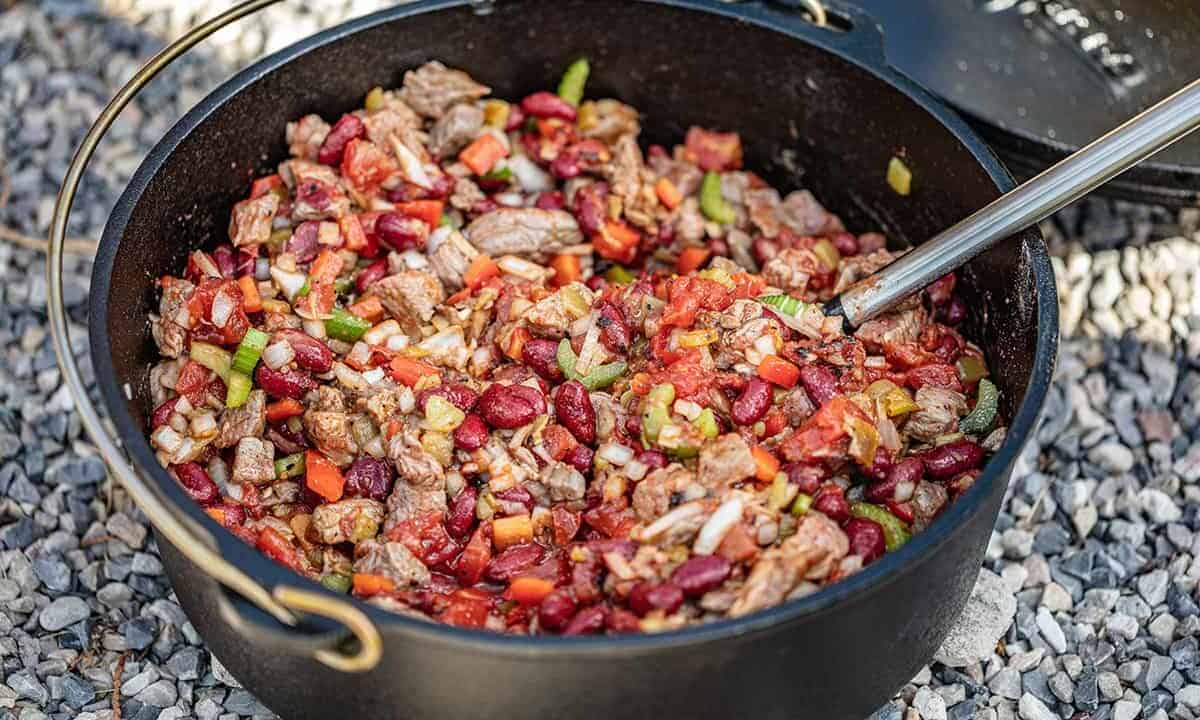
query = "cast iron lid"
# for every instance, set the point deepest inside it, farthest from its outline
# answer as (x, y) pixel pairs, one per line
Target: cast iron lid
(1041, 78)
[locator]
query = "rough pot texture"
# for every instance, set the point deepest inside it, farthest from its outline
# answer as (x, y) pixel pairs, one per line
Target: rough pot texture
(856, 642)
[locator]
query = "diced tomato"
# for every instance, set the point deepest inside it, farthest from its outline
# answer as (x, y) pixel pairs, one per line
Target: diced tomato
(369, 308)
(558, 441)
(425, 536)
(566, 524)
(467, 608)
(352, 232)
(823, 434)
(935, 374)
(277, 547)
(475, 557)
(689, 295)
(691, 259)
(713, 150)
(689, 376)
(566, 270)
(667, 193)
(429, 211)
(481, 269)
(263, 185)
(366, 166)
(483, 154)
(368, 585)
(776, 421)
(284, 409)
(616, 241)
(747, 286)
(776, 370)
(660, 348)
(738, 545)
(516, 343)
(765, 463)
(326, 267)
(193, 378)
(322, 476)
(615, 518)
(409, 371)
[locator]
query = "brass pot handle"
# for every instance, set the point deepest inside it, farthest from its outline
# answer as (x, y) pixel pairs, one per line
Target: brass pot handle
(286, 604)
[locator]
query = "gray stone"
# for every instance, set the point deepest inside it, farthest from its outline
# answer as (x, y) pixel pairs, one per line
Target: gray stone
(929, 704)
(77, 692)
(1056, 599)
(1156, 670)
(63, 612)
(1153, 587)
(1006, 683)
(1126, 710)
(1031, 708)
(989, 611)
(160, 694)
(1109, 685)
(1051, 631)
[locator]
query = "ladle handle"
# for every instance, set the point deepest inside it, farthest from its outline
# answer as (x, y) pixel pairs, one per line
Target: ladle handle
(1030, 202)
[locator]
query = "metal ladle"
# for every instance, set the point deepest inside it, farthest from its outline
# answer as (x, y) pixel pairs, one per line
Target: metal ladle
(1033, 201)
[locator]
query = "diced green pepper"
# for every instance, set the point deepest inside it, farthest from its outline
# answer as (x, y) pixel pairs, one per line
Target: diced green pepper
(619, 275)
(828, 253)
(895, 532)
(706, 423)
(712, 203)
(566, 358)
(499, 174)
(238, 387)
(602, 376)
(683, 452)
(570, 88)
(785, 304)
(289, 466)
(971, 369)
(212, 357)
(801, 504)
(249, 350)
(346, 326)
(337, 582)
(654, 418)
(445, 221)
(305, 289)
(980, 419)
(663, 394)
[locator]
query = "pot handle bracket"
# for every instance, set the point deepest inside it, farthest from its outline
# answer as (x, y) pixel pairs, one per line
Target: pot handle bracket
(288, 605)
(838, 23)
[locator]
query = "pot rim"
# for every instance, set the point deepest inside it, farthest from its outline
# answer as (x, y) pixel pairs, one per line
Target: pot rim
(868, 581)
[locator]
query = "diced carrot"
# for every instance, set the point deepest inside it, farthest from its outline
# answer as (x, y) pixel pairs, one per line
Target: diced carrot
(547, 127)
(409, 371)
(428, 210)
(616, 241)
(738, 544)
(691, 258)
(326, 267)
(512, 530)
(483, 154)
(369, 308)
(251, 300)
(264, 185)
(392, 428)
(352, 231)
(668, 194)
(216, 513)
(366, 584)
(765, 463)
(284, 409)
(775, 369)
(322, 476)
(516, 343)
(480, 270)
(566, 270)
(529, 590)
(459, 296)
(276, 306)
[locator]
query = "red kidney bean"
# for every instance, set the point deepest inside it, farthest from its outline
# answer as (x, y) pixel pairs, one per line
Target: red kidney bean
(764, 249)
(845, 243)
(881, 466)
(566, 165)
(935, 374)
(508, 564)
(574, 411)
(311, 354)
(510, 406)
(540, 355)
(556, 609)
(870, 242)
(472, 434)
(232, 515)
(820, 383)
(550, 200)
(518, 499)
(548, 105)
(954, 458)
(293, 441)
(807, 478)
(953, 312)
(370, 478)
(162, 413)
(591, 207)
(831, 501)
(516, 118)
(909, 470)
(941, 290)
(303, 243)
(462, 512)
(347, 128)
(596, 283)
(633, 425)
(587, 621)
(223, 257)
(459, 395)
(375, 271)
(621, 620)
(646, 597)
(866, 539)
(623, 547)
(196, 482)
(580, 458)
(284, 383)
(244, 263)
(752, 405)
(614, 330)
(400, 232)
(701, 574)
(652, 459)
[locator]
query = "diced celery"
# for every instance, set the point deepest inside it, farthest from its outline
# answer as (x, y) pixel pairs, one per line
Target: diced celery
(566, 358)
(654, 418)
(801, 504)
(712, 203)
(337, 582)
(570, 88)
(663, 394)
(442, 415)
(784, 303)
(603, 375)
(828, 253)
(212, 357)
(706, 423)
(238, 387)
(374, 99)
(249, 350)
(289, 466)
(346, 326)
(971, 369)
(619, 275)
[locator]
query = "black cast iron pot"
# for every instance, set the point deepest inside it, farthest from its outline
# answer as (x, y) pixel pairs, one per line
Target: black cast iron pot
(816, 107)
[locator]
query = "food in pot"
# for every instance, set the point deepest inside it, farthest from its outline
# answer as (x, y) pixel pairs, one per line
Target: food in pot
(496, 364)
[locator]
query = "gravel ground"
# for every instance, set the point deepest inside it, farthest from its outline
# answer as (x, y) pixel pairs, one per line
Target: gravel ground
(1087, 605)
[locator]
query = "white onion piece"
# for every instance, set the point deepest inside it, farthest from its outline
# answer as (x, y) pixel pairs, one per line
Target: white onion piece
(410, 165)
(178, 423)
(618, 565)
(278, 354)
(348, 377)
(407, 400)
(436, 238)
(374, 376)
(520, 267)
(360, 354)
(316, 328)
(414, 260)
(529, 176)
(397, 342)
(719, 525)
(614, 453)
(903, 492)
(223, 306)
(289, 282)
(765, 345)
(262, 269)
(183, 405)
(205, 264)
(374, 447)
(166, 439)
(684, 512)
(218, 471)
(635, 470)
(509, 199)
(379, 334)
(204, 425)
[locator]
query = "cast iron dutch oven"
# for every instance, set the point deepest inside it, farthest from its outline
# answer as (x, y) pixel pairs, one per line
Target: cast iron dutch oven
(816, 107)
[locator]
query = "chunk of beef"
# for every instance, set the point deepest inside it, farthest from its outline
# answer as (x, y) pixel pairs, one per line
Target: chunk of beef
(938, 414)
(406, 501)
(894, 328)
(685, 176)
(250, 222)
(725, 461)
(549, 317)
(253, 461)
(395, 117)
(791, 269)
(248, 420)
(415, 466)
(163, 378)
(433, 88)
(762, 205)
(801, 212)
(328, 426)
(689, 222)
(811, 553)
(563, 482)
(455, 130)
(466, 194)
(928, 499)
(652, 495)
(318, 191)
(608, 120)
(350, 520)
(450, 255)
(531, 232)
(411, 296)
(857, 267)
(305, 137)
(625, 175)
(393, 561)
(381, 401)
(797, 406)
(169, 335)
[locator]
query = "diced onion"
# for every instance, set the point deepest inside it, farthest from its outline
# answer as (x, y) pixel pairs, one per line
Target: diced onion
(278, 354)
(374, 448)
(635, 470)
(765, 345)
(397, 342)
(315, 328)
(529, 176)
(205, 264)
(684, 512)
(614, 453)
(183, 405)
(688, 409)
(513, 265)
(165, 438)
(348, 377)
(903, 492)
(289, 282)
(262, 269)
(218, 470)
(223, 306)
(379, 334)
(204, 425)
(407, 400)
(374, 376)
(618, 565)
(509, 199)
(414, 260)
(178, 423)
(436, 238)
(719, 525)
(410, 165)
